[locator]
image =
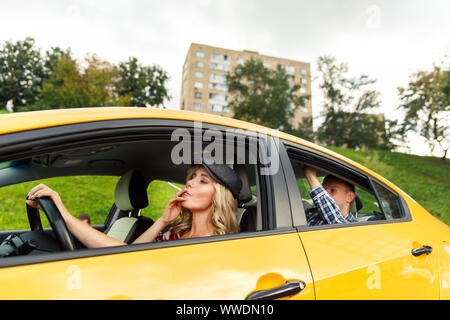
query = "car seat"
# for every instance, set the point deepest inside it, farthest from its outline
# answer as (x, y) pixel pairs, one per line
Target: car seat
(130, 196)
(246, 213)
(356, 204)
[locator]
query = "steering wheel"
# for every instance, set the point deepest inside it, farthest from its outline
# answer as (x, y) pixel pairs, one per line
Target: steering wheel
(56, 222)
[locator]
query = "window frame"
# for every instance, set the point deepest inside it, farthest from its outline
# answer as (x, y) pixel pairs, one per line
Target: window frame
(62, 138)
(322, 160)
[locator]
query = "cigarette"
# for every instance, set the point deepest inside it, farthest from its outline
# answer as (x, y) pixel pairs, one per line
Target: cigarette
(174, 186)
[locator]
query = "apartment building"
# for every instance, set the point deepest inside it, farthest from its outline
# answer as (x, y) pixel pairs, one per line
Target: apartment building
(204, 87)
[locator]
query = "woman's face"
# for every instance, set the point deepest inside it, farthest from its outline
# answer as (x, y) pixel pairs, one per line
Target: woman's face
(199, 191)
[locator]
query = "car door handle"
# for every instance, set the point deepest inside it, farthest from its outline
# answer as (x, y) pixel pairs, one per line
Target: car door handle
(420, 251)
(288, 289)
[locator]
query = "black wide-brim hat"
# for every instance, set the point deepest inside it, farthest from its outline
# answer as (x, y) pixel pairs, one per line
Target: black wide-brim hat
(226, 176)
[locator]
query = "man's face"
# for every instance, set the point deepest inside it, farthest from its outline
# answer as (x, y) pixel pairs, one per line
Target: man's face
(340, 192)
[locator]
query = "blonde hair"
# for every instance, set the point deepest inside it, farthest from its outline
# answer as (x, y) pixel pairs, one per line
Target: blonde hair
(223, 211)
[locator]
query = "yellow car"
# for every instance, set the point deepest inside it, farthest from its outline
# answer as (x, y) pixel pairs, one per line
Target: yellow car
(393, 250)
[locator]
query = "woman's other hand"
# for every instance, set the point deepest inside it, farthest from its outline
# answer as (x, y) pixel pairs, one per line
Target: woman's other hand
(173, 208)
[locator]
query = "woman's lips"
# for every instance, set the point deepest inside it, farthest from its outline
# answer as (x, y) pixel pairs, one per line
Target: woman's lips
(185, 194)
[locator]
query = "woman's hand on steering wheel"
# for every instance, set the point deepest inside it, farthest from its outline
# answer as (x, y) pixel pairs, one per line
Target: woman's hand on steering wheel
(40, 191)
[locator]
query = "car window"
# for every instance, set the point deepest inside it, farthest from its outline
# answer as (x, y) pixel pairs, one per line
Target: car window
(81, 194)
(159, 193)
(370, 210)
(365, 208)
(389, 202)
(369, 207)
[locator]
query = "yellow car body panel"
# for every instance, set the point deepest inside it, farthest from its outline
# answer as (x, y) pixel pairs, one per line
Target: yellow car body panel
(229, 269)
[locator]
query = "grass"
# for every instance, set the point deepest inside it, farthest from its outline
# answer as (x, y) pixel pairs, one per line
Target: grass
(426, 179)
(85, 194)
(92, 195)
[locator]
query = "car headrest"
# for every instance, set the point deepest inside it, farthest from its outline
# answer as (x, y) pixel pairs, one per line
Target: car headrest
(245, 195)
(356, 204)
(131, 192)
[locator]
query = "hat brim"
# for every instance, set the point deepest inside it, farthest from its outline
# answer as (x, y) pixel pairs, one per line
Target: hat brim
(219, 172)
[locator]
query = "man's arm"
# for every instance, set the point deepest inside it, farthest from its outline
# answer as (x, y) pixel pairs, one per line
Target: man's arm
(311, 176)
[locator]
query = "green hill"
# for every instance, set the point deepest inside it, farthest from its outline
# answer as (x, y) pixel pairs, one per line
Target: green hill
(425, 179)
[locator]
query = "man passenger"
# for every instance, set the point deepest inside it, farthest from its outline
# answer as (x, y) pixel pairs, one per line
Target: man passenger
(332, 199)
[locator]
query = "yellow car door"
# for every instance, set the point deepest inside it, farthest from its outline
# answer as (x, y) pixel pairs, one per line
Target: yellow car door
(222, 269)
(390, 252)
(372, 262)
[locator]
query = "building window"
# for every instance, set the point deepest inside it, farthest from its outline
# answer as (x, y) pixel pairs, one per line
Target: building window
(303, 71)
(267, 65)
(220, 66)
(220, 57)
(240, 61)
(289, 70)
(198, 85)
(303, 90)
(304, 109)
(200, 54)
(218, 86)
(291, 78)
(200, 64)
(218, 78)
(218, 97)
(199, 74)
(198, 95)
(217, 107)
(304, 81)
(197, 106)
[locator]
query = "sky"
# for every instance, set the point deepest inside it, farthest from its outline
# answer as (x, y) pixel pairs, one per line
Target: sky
(386, 39)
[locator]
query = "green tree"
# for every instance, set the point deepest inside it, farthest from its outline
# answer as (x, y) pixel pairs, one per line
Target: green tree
(304, 130)
(21, 72)
(99, 81)
(70, 86)
(348, 104)
(426, 102)
(264, 96)
(51, 59)
(94, 83)
(64, 87)
(143, 85)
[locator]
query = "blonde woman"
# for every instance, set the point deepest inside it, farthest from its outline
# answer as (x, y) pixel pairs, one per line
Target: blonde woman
(204, 207)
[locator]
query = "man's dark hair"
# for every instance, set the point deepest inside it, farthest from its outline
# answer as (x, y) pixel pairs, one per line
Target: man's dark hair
(349, 186)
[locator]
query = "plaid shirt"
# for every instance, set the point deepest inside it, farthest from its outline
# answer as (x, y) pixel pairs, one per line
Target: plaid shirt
(328, 212)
